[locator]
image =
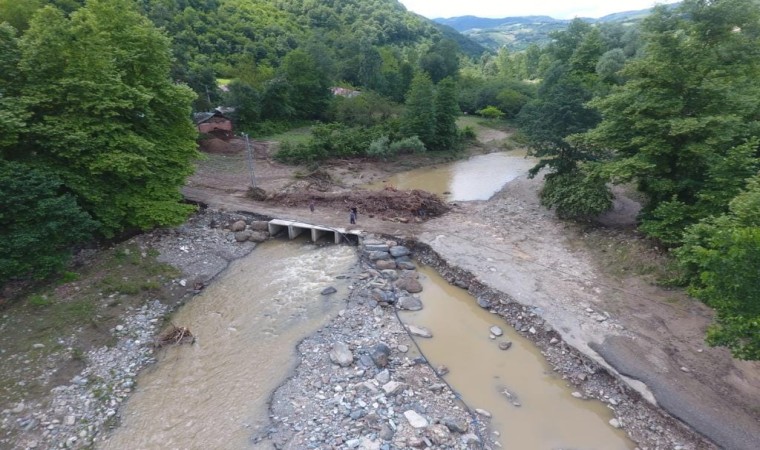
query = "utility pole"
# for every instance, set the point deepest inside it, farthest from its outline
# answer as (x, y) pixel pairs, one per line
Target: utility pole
(250, 159)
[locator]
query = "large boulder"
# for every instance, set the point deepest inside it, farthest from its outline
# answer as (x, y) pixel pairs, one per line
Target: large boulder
(409, 284)
(399, 251)
(260, 225)
(238, 226)
(242, 236)
(374, 256)
(258, 236)
(384, 264)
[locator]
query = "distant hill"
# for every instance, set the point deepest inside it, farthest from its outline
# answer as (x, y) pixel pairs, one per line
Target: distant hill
(519, 32)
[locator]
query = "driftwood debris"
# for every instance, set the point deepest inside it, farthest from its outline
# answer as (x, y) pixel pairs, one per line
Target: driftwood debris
(175, 335)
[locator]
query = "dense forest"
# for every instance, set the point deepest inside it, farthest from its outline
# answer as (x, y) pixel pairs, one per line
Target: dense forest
(96, 98)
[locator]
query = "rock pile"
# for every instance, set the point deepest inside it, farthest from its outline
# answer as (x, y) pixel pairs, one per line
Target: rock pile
(359, 386)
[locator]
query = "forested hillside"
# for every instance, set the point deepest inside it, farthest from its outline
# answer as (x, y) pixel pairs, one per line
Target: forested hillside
(673, 109)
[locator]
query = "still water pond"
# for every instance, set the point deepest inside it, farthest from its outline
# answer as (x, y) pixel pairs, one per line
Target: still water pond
(476, 178)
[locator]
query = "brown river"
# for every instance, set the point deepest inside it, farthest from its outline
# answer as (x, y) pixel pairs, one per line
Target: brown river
(213, 394)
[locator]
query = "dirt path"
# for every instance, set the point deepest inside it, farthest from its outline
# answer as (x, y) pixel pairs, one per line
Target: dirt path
(651, 337)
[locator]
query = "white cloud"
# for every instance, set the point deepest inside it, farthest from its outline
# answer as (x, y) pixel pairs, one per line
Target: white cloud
(559, 9)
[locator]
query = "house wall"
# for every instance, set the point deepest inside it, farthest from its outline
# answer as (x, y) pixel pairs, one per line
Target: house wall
(215, 124)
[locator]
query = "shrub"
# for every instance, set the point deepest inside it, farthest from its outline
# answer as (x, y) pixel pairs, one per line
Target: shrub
(379, 147)
(409, 145)
(491, 112)
(576, 195)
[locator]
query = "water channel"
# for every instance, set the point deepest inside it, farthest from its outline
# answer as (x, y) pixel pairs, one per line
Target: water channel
(548, 416)
(213, 394)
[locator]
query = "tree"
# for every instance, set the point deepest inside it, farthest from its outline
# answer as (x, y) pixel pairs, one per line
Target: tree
(419, 117)
(573, 186)
(691, 103)
(442, 60)
(309, 92)
(104, 115)
(722, 259)
(39, 222)
(446, 113)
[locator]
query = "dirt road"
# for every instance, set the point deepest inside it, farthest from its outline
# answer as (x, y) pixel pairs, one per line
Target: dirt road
(651, 337)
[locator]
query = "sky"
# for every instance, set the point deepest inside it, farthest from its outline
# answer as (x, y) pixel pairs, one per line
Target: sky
(558, 9)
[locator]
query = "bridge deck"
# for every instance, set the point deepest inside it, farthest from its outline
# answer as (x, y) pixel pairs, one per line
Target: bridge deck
(296, 228)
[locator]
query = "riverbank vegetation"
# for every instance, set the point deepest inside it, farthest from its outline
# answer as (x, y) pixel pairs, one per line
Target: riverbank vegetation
(96, 137)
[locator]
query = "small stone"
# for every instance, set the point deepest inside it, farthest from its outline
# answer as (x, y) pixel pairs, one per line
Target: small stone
(470, 438)
(532, 330)
(442, 370)
(375, 256)
(455, 425)
(577, 394)
(341, 355)
(506, 345)
(685, 369)
(392, 387)
(69, 421)
(380, 354)
(496, 331)
(415, 420)
(483, 303)
(328, 290)
(615, 423)
(409, 303)
(19, 408)
(38, 345)
(119, 328)
(483, 412)
(419, 331)
(383, 376)
(403, 348)
(553, 341)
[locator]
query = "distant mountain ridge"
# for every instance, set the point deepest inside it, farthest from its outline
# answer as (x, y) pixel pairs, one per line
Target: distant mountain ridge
(520, 31)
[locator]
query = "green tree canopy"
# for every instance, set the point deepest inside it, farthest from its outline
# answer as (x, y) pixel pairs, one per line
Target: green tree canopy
(104, 115)
(689, 104)
(39, 222)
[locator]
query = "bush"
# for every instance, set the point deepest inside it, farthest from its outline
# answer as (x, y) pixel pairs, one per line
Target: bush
(379, 147)
(576, 195)
(330, 141)
(408, 145)
(491, 112)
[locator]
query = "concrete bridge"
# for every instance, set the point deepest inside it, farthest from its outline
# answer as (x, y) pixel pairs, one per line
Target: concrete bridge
(296, 228)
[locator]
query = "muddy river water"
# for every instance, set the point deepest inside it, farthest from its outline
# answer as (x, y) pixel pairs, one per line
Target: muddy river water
(214, 394)
(476, 178)
(548, 416)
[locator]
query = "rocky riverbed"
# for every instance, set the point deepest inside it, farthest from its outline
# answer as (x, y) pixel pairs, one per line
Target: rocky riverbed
(360, 383)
